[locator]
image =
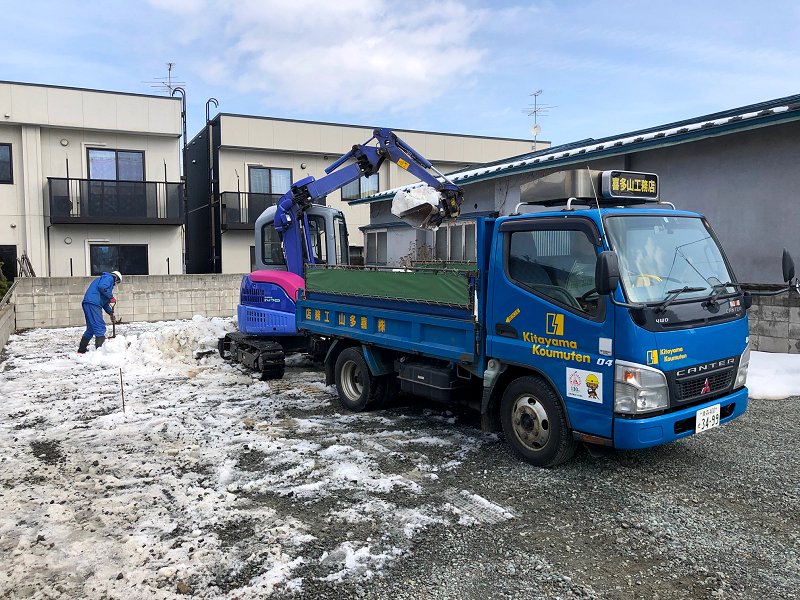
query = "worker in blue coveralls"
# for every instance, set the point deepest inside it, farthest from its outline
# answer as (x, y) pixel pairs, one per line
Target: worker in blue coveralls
(99, 295)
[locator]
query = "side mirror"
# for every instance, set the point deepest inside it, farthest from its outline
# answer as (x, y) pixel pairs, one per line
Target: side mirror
(748, 300)
(606, 273)
(788, 266)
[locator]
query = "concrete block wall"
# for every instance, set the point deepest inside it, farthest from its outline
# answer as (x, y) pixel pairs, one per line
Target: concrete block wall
(56, 301)
(7, 323)
(775, 323)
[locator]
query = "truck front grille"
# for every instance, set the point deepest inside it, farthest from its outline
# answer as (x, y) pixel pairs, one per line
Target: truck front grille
(717, 382)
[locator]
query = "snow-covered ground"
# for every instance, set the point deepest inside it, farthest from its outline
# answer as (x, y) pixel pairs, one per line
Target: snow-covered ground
(773, 376)
(217, 483)
(211, 480)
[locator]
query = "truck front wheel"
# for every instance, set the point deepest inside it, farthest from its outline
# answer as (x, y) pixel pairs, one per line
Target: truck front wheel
(534, 423)
(357, 387)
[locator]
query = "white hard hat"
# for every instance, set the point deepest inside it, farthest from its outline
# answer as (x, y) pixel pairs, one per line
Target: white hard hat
(117, 276)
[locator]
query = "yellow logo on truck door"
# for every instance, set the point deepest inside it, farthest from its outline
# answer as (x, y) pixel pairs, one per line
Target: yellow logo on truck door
(555, 324)
(652, 357)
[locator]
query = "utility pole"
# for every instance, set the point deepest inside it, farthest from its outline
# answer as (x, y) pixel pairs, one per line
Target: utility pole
(537, 111)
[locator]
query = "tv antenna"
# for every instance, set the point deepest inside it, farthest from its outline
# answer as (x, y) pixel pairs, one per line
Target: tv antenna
(538, 110)
(166, 84)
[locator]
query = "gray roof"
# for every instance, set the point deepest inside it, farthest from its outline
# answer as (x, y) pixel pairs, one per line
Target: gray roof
(763, 114)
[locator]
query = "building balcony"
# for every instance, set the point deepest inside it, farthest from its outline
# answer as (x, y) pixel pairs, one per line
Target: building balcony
(99, 202)
(241, 209)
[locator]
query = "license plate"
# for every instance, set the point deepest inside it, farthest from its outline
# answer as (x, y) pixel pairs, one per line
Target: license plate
(707, 418)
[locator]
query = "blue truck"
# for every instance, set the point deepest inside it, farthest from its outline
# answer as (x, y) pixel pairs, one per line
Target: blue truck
(612, 320)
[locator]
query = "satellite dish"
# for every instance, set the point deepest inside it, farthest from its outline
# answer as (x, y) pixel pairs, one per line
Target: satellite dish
(536, 129)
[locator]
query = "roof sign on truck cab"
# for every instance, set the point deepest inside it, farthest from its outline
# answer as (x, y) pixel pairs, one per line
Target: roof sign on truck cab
(629, 185)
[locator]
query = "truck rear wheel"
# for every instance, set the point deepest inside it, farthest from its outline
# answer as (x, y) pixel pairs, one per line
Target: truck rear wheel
(534, 423)
(358, 389)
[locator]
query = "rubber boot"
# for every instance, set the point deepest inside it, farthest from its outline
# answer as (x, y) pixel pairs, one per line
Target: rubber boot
(98, 341)
(84, 345)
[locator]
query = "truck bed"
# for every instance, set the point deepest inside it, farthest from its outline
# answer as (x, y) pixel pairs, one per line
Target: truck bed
(427, 311)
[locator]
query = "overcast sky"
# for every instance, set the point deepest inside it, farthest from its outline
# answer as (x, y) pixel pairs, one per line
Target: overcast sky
(452, 65)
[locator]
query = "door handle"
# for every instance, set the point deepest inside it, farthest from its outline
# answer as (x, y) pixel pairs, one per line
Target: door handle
(504, 330)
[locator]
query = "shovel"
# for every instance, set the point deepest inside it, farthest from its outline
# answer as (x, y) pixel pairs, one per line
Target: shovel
(113, 321)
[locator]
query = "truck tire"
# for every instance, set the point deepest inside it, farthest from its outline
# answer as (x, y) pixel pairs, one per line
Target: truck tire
(534, 423)
(358, 389)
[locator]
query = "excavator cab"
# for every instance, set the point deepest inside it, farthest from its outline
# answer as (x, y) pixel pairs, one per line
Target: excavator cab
(327, 234)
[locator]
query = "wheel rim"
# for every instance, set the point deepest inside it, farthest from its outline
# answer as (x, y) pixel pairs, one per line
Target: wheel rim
(531, 423)
(351, 381)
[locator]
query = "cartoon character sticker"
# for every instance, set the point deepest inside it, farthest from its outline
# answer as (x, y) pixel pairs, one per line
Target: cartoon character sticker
(585, 385)
(591, 385)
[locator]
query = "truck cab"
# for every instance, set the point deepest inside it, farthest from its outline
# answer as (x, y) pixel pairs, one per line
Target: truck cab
(662, 356)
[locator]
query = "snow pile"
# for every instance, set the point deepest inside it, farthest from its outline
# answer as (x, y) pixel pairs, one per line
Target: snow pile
(773, 376)
(175, 346)
(417, 205)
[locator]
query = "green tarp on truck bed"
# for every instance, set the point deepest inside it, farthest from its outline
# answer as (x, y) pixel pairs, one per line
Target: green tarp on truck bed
(440, 287)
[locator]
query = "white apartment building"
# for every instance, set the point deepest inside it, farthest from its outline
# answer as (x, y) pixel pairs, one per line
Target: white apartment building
(90, 181)
(239, 165)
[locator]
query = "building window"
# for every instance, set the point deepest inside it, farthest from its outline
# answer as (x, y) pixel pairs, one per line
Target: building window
(6, 174)
(128, 259)
(456, 242)
(376, 247)
(116, 165)
(264, 180)
(361, 188)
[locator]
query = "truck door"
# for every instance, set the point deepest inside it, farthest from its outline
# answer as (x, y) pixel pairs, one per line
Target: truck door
(544, 313)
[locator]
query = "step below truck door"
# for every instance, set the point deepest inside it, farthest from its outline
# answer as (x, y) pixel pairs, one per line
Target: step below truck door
(545, 314)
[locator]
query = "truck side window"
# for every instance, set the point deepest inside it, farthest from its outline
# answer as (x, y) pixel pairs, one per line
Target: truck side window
(558, 264)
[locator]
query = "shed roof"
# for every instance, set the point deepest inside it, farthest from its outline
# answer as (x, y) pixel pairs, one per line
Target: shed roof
(771, 112)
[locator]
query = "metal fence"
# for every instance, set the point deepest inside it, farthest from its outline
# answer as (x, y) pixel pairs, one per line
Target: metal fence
(243, 208)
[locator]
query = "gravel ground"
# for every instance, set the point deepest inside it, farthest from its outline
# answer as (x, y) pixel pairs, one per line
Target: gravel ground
(713, 516)
(442, 509)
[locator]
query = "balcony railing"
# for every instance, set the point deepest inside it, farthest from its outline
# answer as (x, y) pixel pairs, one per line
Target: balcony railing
(241, 209)
(96, 201)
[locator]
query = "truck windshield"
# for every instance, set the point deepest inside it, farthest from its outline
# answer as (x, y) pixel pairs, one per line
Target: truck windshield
(659, 255)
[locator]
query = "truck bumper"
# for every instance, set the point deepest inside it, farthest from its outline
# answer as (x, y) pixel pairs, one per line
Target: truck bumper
(630, 434)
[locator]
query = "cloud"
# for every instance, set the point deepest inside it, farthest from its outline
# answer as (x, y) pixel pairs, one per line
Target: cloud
(346, 56)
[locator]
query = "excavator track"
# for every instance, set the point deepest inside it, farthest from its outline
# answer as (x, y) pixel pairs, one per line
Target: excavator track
(254, 353)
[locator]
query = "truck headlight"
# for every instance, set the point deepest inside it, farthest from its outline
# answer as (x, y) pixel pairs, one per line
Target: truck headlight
(639, 389)
(744, 363)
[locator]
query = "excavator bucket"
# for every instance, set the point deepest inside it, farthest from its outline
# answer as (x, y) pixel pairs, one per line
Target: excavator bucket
(420, 207)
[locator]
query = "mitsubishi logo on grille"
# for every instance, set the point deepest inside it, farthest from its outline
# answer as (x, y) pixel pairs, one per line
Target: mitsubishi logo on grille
(706, 388)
